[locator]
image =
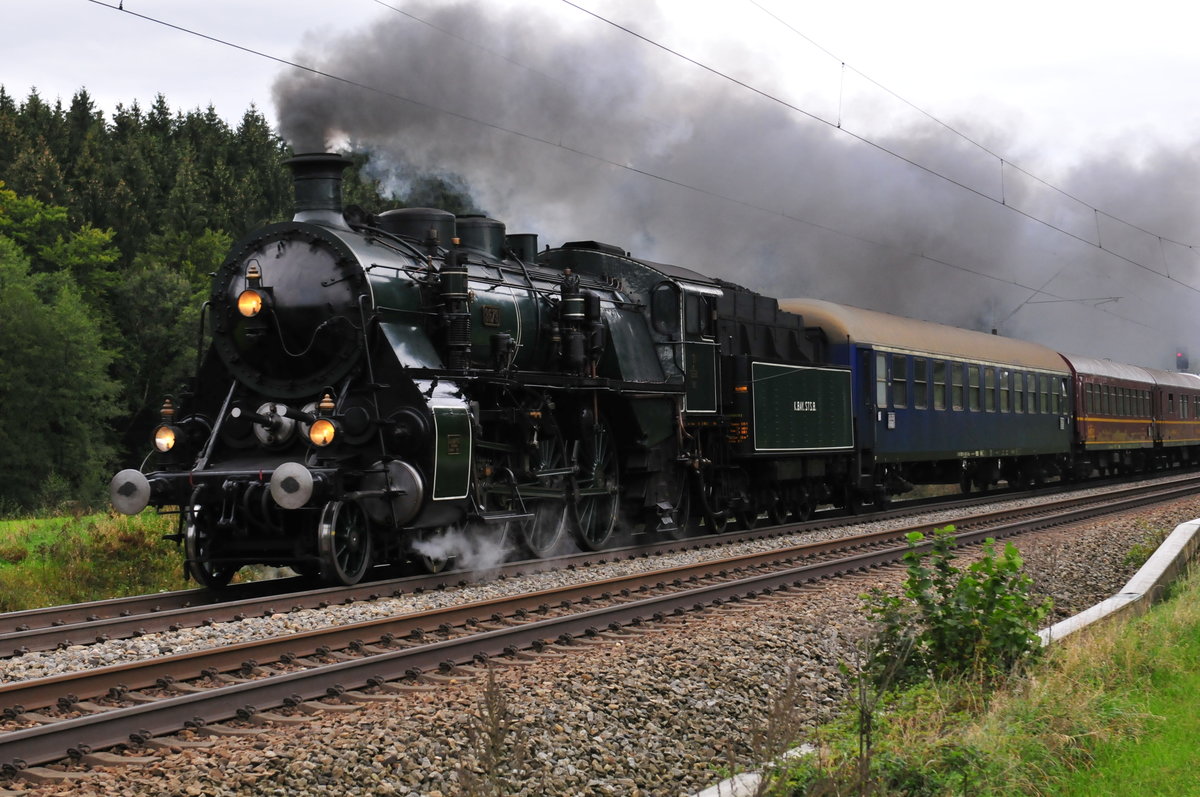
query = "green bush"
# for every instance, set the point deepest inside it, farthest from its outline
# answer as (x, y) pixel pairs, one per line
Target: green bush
(981, 621)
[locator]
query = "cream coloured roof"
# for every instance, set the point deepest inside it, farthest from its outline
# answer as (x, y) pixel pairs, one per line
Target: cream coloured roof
(843, 322)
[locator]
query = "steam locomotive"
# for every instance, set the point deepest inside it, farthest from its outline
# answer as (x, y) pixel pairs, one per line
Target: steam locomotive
(376, 383)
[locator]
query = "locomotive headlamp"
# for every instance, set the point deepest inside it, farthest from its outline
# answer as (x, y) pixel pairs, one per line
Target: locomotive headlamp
(322, 432)
(250, 303)
(164, 438)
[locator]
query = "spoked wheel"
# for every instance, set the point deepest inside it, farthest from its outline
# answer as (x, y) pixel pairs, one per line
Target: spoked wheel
(344, 543)
(542, 534)
(594, 513)
(713, 506)
(198, 541)
(803, 508)
(747, 518)
(681, 507)
(777, 510)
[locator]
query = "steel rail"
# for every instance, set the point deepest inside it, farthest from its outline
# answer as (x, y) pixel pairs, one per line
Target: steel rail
(264, 602)
(118, 725)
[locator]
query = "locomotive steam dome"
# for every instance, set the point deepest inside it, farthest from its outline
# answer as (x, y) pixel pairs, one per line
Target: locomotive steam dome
(286, 304)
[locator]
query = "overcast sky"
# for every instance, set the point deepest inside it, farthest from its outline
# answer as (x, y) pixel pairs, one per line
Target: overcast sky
(1104, 95)
(1060, 75)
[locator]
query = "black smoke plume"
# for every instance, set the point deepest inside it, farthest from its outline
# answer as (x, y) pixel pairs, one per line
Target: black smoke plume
(568, 127)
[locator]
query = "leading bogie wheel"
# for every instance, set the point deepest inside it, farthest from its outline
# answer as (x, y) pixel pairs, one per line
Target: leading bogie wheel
(198, 542)
(344, 543)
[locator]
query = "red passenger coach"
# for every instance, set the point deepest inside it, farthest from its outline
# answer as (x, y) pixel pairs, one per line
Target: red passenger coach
(1177, 407)
(1114, 415)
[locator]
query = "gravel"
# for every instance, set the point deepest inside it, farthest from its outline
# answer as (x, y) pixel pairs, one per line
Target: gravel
(654, 713)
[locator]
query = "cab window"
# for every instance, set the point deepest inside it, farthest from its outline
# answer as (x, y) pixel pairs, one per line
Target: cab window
(698, 315)
(664, 309)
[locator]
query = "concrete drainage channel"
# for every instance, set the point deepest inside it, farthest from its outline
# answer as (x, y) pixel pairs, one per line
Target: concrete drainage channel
(1171, 560)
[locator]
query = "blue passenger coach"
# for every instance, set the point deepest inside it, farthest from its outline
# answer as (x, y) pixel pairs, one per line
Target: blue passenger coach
(938, 405)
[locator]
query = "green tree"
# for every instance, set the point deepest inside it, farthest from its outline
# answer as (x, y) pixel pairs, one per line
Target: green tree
(54, 378)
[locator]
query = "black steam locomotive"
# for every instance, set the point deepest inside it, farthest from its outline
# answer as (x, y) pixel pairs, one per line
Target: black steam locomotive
(379, 384)
(377, 381)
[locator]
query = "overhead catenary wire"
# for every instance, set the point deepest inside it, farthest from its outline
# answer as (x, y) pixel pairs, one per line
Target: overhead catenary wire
(837, 124)
(662, 178)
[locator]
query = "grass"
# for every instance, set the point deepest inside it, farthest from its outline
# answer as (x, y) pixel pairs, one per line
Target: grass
(1164, 759)
(1114, 710)
(71, 559)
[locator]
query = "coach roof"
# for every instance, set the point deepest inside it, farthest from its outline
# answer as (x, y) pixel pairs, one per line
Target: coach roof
(856, 325)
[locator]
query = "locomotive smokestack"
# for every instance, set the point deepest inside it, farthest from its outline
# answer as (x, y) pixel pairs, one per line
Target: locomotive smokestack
(318, 180)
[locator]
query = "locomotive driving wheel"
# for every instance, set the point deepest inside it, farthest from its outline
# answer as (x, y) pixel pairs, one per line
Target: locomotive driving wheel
(594, 513)
(198, 541)
(542, 534)
(344, 543)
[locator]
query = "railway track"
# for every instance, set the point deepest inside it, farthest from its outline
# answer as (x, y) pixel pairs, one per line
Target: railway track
(80, 624)
(328, 669)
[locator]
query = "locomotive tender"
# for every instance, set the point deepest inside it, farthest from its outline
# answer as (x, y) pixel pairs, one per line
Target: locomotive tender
(377, 382)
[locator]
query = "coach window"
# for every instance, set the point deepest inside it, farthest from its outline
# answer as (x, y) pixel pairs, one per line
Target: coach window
(1045, 393)
(973, 388)
(939, 384)
(1183, 406)
(1018, 392)
(1004, 382)
(1031, 393)
(1060, 398)
(956, 377)
(920, 383)
(989, 389)
(1170, 404)
(899, 380)
(1087, 397)
(881, 379)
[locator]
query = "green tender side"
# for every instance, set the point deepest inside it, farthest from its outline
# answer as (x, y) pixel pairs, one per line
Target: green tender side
(452, 468)
(801, 408)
